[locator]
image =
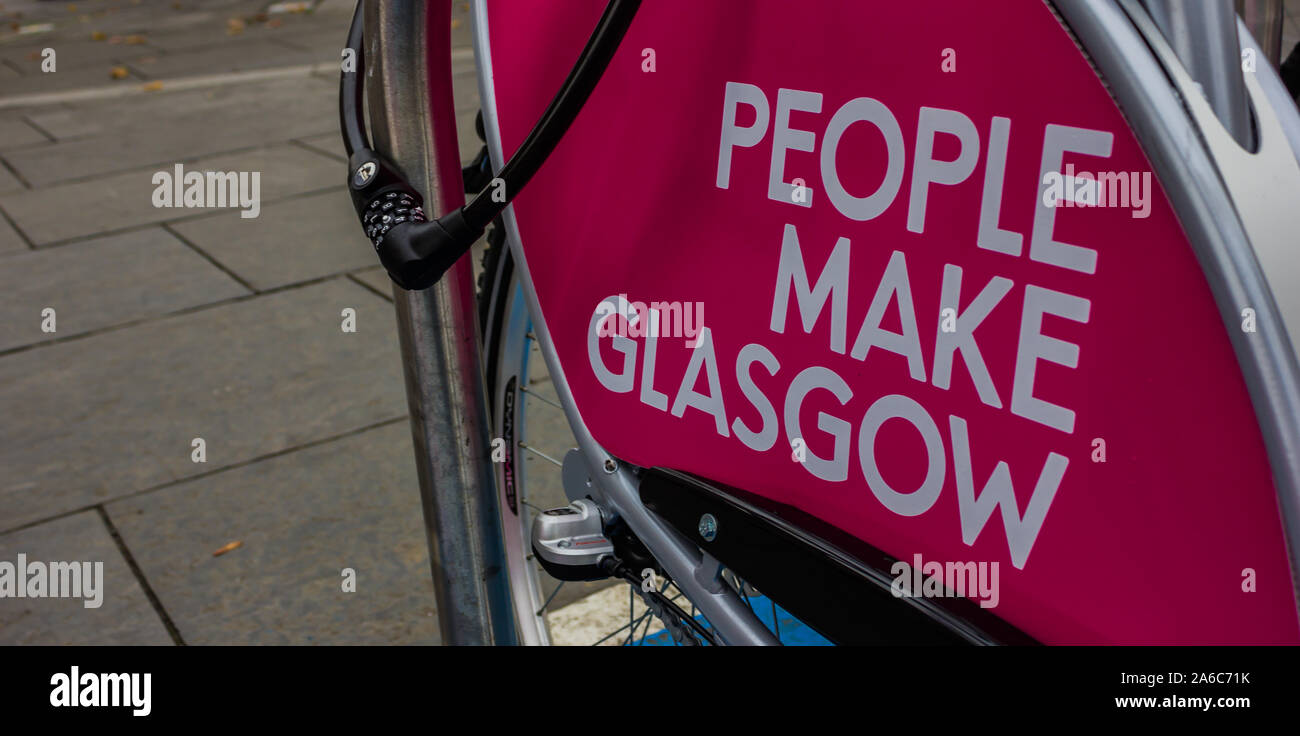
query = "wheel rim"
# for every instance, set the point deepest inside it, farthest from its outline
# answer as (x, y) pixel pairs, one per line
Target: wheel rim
(528, 481)
(509, 417)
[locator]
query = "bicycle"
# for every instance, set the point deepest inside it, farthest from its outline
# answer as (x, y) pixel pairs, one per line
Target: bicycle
(688, 503)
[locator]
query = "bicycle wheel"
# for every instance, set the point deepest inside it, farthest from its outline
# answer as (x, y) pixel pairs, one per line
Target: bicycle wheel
(530, 437)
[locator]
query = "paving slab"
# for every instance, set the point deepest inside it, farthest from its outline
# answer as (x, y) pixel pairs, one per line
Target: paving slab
(104, 282)
(112, 117)
(10, 240)
(332, 37)
(124, 615)
(9, 182)
(301, 519)
(126, 200)
(74, 21)
(329, 144)
(63, 122)
(215, 31)
(70, 53)
(260, 54)
(166, 130)
(16, 132)
(464, 87)
(377, 279)
(295, 240)
(69, 79)
(94, 418)
(462, 25)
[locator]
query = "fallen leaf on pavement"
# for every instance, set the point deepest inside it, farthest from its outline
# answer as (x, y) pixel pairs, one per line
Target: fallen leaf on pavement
(119, 72)
(288, 8)
(229, 547)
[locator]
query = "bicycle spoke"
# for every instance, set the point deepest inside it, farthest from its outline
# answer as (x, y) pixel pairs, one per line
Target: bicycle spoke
(541, 454)
(609, 636)
(615, 632)
(646, 630)
(539, 397)
(631, 600)
(534, 507)
(631, 623)
(551, 597)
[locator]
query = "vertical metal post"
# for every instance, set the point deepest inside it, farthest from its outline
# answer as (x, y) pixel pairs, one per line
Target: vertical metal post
(1204, 36)
(408, 86)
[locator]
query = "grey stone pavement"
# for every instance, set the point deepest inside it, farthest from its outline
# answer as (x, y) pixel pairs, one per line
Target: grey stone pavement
(173, 324)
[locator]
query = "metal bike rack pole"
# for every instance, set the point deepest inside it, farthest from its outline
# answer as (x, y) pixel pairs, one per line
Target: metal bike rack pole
(407, 54)
(1204, 36)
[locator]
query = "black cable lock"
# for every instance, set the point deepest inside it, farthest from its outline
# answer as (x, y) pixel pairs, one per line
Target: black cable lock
(416, 252)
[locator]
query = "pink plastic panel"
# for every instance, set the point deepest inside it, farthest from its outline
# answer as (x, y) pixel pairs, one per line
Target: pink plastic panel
(1109, 350)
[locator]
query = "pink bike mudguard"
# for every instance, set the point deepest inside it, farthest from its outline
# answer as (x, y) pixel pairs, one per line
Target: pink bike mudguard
(886, 295)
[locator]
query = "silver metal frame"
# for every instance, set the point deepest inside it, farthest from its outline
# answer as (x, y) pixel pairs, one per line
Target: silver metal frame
(407, 46)
(694, 573)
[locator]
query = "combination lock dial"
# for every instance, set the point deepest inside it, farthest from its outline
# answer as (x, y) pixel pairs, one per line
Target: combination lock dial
(389, 210)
